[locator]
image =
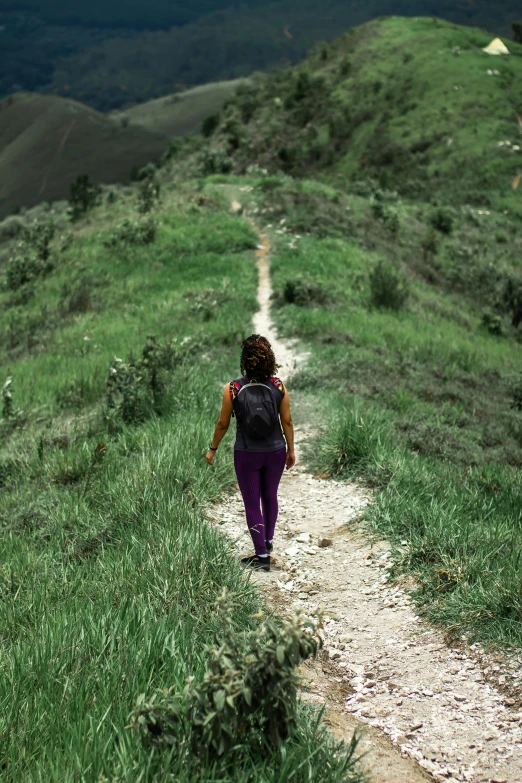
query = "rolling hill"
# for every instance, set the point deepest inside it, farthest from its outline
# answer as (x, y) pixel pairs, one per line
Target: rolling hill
(47, 141)
(415, 104)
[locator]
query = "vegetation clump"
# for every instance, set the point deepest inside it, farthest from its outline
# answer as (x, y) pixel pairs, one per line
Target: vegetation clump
(131, 231)
(442, 220)
(139, 389)
(33, 257)
(84, 196)
(247, 697)
(305, 292)
(388, 287)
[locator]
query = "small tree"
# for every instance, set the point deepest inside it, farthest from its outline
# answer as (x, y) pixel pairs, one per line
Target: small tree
(84, 196)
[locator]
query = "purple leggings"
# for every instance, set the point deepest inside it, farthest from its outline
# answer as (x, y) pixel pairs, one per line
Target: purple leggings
(258, 474)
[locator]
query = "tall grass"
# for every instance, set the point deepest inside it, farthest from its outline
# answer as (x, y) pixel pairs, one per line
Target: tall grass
(458, 531)
(109, 573)
(420, 403)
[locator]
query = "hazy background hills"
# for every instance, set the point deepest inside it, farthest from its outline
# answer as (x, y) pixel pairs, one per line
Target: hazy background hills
(114, 55)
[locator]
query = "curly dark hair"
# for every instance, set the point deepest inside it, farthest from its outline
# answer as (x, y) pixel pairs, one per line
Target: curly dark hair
(257, 358)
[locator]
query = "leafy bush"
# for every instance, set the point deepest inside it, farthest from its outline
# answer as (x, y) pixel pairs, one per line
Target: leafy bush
(84, 196)
(10, 228)
(133, 232)
(305, 292)
(388, 288)
(216, 161)
(138, 389)
(33, 257)
(492, 322)
(210, 124)
(38, 236)
(20, 270)
(248, 695)
(442, 220)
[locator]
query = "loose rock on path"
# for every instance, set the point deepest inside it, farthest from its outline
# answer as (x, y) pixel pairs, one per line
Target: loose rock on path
(429, 708)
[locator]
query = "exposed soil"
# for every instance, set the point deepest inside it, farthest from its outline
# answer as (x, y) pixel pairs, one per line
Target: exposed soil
(426, 707)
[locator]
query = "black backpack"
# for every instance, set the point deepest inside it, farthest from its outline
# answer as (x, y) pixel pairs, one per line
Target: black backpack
(256, 410)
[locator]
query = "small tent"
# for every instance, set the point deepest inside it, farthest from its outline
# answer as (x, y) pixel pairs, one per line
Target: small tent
(496, 47)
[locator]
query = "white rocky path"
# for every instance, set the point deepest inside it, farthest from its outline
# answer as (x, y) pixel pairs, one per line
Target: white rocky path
(444, 708)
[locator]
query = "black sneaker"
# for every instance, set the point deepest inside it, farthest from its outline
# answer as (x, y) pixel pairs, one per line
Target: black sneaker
(259, 563)
(269, 547)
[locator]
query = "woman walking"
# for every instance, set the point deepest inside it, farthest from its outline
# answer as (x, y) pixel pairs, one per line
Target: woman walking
(261, 406)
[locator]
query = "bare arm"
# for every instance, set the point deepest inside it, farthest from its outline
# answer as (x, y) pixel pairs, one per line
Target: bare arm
(223, 423)
(288, 429)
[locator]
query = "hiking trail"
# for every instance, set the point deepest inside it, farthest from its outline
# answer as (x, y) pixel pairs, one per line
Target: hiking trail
(425, 707)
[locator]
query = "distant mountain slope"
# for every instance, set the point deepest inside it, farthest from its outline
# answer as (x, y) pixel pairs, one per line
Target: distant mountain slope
(413, 103)
(134, 54)
(47, 141)
(181, 114)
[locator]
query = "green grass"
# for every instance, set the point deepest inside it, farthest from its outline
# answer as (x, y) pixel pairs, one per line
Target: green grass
(417, 402)
(109, 575)
(407, 102)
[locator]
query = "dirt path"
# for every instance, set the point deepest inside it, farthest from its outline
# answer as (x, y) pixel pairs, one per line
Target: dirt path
(427, 707)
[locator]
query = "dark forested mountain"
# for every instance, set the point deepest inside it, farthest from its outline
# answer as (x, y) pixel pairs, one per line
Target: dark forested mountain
(111, 55)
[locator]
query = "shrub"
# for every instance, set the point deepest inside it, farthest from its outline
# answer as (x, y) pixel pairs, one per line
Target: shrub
(10, 228)
(216, 161)
(211, 124)
(305, 292)
(84, 196)
(442, 220)
(138, 389)
(388, 288)
(38, 236)
(517, 32)
(148, 194)
(34, 255)
(133, 232)
(20, 271)
(492, 322)
(248, 695)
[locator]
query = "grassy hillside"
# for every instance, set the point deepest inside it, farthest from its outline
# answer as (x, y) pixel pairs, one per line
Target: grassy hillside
(414, 104)
(413, 316)
(182, 114)
(47, 141)
(110, 580)
(105, 55)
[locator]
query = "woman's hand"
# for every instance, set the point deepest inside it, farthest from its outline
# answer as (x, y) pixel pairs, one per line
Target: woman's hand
(290, 459)
(210, 456)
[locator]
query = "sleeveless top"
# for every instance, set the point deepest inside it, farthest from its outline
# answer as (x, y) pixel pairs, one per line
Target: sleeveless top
(276, 440)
